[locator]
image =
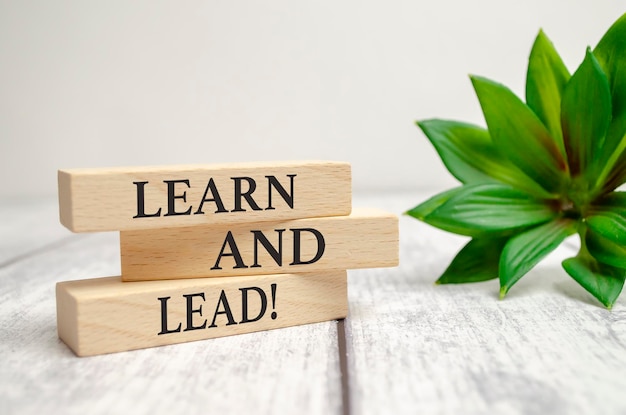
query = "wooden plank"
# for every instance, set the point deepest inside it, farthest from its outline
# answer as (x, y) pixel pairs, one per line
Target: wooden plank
(291, 370)
(168, 196)
(367, 238)
(414, 347)
(105, 315)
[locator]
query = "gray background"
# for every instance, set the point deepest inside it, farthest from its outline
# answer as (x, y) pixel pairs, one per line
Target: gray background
(113, 83)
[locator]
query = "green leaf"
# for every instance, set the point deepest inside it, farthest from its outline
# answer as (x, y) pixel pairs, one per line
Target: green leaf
(610, 225)
(602, 281)
(477, 261)
(479, 209)
(469, 154)
(524, 251)
(585, 115)
(545, 82)
(614, 172)
(606, 250)
(465, 149)
(520, 136)
(607, 217)
(611, 201)
(426, 208)
(611, 56)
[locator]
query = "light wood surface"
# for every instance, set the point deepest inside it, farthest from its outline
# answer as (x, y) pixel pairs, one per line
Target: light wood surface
(105, 315)
(409, 346)
(166, 196)
(419, 348)
(291, 370)
(368, 238)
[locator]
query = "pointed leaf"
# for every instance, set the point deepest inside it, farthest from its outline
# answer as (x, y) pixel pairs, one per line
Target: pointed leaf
(524, 251)
(477, 261)
(545, 82)
(469, 154)
(426, 208)
(585, 115)
(478, 209)
(607, 217)
(614, 172)
(465, 149)
(605, 250)
(611, 55)
(604, 282)
(423, 210)
(520, 136)
(609, 224)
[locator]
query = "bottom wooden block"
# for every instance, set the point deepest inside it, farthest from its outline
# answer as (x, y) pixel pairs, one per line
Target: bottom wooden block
(106, 315)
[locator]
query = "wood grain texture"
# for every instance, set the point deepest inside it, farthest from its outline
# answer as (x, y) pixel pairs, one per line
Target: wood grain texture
(368, 238)
(105, 315)
(291, 370)
(413, 347)
(109, 199)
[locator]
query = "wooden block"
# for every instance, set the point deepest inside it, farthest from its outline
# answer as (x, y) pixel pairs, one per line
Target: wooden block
(106, 315)
(157, 197)
(368, 238)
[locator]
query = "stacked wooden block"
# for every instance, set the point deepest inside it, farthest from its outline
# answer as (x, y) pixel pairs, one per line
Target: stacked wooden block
(215, 250)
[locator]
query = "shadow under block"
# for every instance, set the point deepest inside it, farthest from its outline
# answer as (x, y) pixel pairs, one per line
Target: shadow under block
(368, 238)
(156, 197)
(106, 315)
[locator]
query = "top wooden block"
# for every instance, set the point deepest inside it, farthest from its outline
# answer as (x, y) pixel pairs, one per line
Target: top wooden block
(117, 199)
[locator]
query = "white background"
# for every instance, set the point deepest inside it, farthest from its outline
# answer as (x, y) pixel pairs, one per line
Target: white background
(113, 83)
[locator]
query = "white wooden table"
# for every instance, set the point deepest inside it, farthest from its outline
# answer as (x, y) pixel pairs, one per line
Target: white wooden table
(408, 346)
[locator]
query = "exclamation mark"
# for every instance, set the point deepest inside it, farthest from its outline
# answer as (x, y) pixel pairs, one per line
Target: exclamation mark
(274, 315)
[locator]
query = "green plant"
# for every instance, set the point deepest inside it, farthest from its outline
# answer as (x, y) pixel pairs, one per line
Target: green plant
(542, 171)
